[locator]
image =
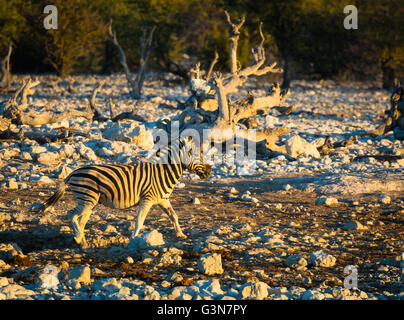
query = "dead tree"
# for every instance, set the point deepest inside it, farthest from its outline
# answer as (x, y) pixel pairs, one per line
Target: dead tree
(19, 112)
(97, 115)
(5, 69)
(210, 110)
(146, 40)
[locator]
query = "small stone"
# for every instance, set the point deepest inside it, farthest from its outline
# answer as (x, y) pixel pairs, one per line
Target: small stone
(12, 184)
(233, 190)
(45, 180)
(181, 185)
(108, 228)
(295, 261)
(287, 187)
(196, 201)
(353, 225)
(328, 201)
(384, 199)
(210, 264)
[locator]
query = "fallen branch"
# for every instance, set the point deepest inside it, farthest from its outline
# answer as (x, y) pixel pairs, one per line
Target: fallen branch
(330, 146)
(63, 135)
(15, 109)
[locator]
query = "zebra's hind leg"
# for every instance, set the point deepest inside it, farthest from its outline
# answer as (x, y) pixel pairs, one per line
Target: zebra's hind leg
(168, 209)
(79, 217)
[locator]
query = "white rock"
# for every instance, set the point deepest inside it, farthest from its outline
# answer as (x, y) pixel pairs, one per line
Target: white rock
(48, 157)
(254, 291)
(15, 291)
(130, 132)
(296, 146)
(322, 259)
(210, 264)
(196, 201)
(78, 275)
(86, 152)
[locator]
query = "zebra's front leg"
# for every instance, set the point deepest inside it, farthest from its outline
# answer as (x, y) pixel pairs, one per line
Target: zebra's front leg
(168, 209)
(144, 208)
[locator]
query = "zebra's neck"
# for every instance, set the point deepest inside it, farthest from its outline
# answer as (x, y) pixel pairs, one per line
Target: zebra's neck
(173, 172)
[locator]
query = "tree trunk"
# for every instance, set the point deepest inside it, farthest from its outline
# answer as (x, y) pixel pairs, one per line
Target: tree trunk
(285, 76)
(388, 74)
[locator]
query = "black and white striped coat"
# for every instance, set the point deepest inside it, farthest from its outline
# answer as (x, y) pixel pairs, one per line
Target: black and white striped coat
(123, 186)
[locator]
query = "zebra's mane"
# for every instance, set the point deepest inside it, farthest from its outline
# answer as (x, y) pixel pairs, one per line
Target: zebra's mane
(168, 154)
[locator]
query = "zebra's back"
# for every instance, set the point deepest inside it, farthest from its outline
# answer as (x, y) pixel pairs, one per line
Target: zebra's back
(111, 185)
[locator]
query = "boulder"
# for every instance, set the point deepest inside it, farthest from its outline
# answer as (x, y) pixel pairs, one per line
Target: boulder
(254, 291)
(210, 264)
(322, 259)
(130, 132)
(79, 275)
(148, 240)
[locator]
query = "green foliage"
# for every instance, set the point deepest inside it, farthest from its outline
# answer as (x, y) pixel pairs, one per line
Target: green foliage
(12, 22)
(305, 34)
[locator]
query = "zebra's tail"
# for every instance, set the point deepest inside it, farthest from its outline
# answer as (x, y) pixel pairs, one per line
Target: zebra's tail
(52, 200)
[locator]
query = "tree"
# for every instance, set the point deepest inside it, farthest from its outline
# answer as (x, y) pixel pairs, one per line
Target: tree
(383, 28)
(76, 43)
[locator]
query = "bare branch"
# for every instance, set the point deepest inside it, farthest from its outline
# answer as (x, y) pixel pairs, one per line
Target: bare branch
(122, 56)
(212, 65)
(234, 31)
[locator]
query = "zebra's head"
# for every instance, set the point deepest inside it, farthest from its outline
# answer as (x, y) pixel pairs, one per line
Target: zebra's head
(191, 158)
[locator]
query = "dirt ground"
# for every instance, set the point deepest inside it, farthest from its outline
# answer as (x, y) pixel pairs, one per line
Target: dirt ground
(302, 225)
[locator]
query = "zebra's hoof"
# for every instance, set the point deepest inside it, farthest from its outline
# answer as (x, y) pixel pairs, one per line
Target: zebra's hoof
(181, 236)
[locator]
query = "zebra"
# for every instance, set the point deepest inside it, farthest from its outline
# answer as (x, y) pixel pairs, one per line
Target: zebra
(122, 186)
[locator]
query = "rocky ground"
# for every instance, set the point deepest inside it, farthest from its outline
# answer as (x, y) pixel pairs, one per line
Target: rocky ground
(277, 229)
